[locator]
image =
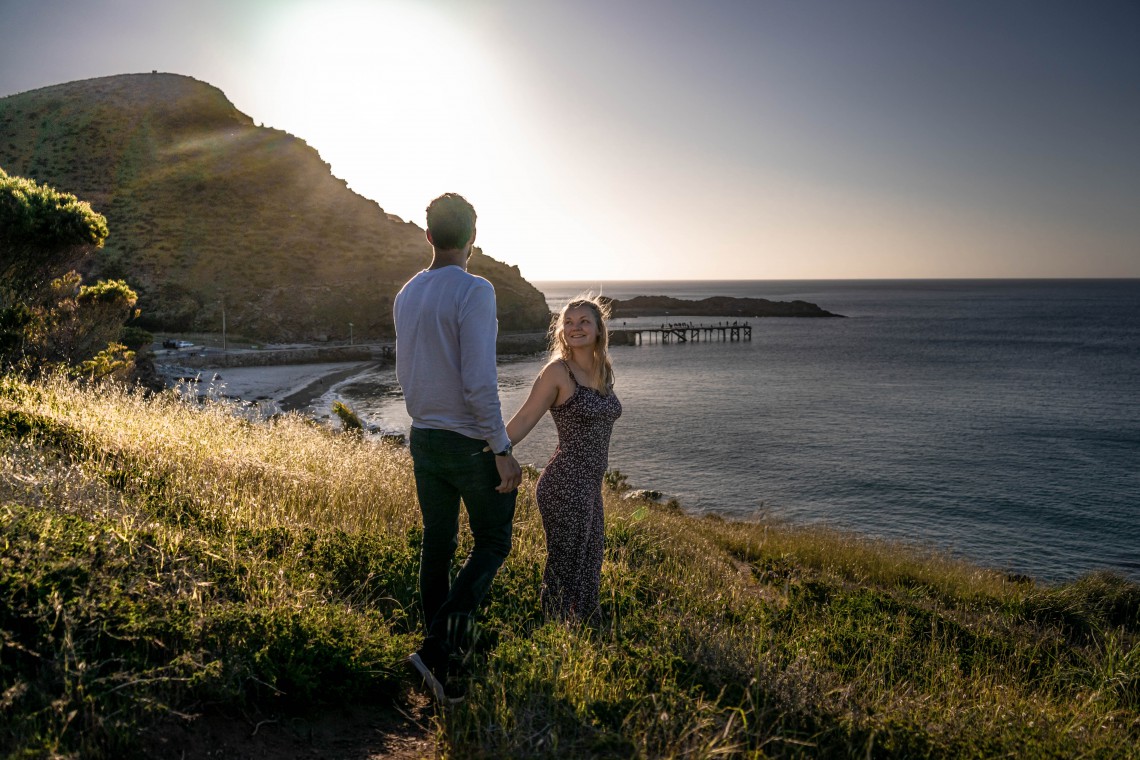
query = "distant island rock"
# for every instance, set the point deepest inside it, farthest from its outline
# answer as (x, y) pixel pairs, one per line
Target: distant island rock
(716, 306)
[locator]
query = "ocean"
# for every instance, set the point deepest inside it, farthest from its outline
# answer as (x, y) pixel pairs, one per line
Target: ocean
(995, 420)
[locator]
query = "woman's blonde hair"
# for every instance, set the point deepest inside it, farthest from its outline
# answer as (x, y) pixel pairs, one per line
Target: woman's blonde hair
(603, 374)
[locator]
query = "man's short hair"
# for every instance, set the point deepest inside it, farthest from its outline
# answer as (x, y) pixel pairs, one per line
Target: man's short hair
(451, 222)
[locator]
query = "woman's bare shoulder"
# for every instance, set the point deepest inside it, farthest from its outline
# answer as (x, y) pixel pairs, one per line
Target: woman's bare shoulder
(555, 366)
(555, 371)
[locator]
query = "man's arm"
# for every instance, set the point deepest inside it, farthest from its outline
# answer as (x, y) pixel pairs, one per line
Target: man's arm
(478, 329)
(478, 333)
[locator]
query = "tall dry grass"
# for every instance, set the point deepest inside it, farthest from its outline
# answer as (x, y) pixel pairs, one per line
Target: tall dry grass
(288, 554)
(287, 472)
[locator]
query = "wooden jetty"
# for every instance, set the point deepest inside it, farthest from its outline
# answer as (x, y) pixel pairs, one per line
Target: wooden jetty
(683, 332)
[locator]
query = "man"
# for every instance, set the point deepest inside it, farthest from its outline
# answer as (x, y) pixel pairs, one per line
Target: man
(445, 362)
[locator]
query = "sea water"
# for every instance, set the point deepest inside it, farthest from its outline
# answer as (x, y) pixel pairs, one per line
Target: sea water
(996, 420)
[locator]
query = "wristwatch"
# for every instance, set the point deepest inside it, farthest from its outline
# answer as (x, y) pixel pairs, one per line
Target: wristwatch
(505, 452)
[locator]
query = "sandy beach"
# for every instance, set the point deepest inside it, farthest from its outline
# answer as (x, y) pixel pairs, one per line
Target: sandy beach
(291, 386)
(282, 387)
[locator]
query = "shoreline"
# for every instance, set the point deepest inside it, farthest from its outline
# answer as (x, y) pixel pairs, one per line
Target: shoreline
(291, 385)
(281, 388)
(306, 396)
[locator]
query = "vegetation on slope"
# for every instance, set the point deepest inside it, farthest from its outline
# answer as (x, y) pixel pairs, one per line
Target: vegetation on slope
(168, 559)
(209, 211)
(47, 316)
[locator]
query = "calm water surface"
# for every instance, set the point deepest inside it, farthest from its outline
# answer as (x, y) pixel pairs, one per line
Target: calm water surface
(998, 420)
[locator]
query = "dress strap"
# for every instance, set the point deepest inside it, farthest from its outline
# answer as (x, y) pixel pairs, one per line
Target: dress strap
(570, 372)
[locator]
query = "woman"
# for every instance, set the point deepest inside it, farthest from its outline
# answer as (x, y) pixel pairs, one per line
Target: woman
(576, 386)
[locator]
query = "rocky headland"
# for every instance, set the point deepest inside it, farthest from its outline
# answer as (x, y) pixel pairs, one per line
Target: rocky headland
(716, 306)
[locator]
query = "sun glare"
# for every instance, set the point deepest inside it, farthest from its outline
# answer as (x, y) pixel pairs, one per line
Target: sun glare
(392, 94)
(407, 100)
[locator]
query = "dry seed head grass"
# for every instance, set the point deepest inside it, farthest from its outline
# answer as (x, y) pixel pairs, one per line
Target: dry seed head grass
(858, 559)
(293, 475)
(39, 478)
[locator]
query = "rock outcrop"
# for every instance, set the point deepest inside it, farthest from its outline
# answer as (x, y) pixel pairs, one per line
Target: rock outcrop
(716, 306)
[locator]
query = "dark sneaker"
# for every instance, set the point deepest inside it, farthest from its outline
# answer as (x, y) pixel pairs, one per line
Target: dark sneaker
(434, 683)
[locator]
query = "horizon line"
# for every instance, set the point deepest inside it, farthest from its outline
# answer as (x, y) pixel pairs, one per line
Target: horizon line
(849, 279)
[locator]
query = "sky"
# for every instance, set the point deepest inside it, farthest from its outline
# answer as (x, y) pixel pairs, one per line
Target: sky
(679, 139)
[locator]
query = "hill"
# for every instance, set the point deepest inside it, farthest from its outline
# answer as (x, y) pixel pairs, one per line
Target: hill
(177, 581)
(209, 211)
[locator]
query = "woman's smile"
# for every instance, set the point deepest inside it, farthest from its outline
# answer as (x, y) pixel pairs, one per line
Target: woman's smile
(578, 326)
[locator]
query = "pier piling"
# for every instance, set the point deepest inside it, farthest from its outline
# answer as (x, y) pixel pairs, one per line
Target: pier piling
(682, 333)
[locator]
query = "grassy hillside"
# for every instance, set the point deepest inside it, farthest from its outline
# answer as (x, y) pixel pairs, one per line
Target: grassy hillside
(205, 208)
(165, 562)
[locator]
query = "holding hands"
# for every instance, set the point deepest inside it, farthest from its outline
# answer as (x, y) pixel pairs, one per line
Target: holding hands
(510, 471)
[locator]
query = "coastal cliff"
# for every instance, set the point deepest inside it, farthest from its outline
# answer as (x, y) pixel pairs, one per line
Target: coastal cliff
(211, 214)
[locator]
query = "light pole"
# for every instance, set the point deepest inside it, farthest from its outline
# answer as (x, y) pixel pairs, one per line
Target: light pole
(350, 333)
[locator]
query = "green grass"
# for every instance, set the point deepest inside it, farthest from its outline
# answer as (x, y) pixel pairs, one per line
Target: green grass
(163, 559)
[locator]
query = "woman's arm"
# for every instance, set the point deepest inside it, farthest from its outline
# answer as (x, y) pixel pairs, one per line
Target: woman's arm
(543, 395)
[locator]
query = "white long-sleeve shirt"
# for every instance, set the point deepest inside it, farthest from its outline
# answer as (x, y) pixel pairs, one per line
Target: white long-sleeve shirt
(446, 330)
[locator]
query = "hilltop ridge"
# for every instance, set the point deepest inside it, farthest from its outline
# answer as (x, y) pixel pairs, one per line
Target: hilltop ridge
(209, 212)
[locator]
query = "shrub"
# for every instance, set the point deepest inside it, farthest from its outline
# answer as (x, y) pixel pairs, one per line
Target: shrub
(349, 421)
(135, 338)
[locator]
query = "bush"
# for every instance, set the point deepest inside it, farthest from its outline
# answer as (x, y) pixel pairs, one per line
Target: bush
(135, 338)
(45, 314)
(349, 421)
(115, 362)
